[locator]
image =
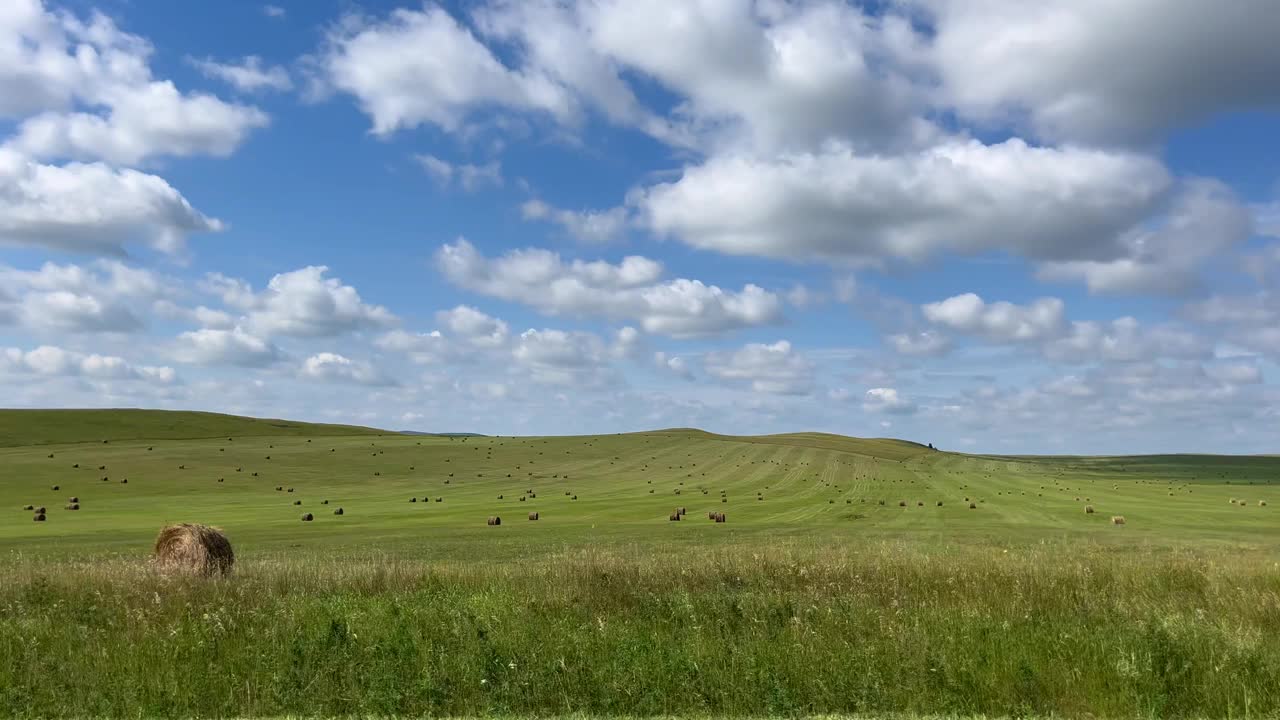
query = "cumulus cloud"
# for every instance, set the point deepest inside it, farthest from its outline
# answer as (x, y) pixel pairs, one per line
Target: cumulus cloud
(61, 64)
(379, 62)
(960, 196)
(887, 400)
(560, 357)
(49, 360)
(92, 208)
(630, 290)
(673, 364)
(474, 326)
(331, 367)
(1205, 221)
(1052, 66)
(247, 75)
(924, 343)
(208, 346)
(775, 369)
(1002, 321)
(1124, 340)
(301, 303)
(104, 296)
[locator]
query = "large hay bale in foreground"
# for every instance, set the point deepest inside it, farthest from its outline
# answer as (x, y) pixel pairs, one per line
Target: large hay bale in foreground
(194, 548)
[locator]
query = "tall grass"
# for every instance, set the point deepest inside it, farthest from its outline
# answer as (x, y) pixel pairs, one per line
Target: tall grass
(1065, 630)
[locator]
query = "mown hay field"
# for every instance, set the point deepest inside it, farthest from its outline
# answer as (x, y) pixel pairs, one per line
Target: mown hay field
(836, 584)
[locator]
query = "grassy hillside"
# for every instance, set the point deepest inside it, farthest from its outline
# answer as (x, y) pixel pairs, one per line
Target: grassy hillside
(852, 576)
(44, 427)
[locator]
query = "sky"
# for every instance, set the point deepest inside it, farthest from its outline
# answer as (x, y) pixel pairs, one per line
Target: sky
(990, 225)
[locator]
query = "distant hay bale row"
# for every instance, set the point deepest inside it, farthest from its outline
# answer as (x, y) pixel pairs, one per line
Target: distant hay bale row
(194, 548)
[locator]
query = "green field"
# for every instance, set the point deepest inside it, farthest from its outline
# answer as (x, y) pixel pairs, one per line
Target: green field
(822, 593)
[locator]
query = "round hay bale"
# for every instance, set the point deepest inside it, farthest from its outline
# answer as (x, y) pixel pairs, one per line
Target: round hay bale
(55, 488)
(575, 497)
(1262, 503)
(439, 499)
(973, 506)
(533, 516)
(73, 506)
(324, 502)
(27, 507)
(297, 502)
(194, 548)
(1088, 509)
(413, 499)
(73, 499)
(675, 517)
(720, 517)
(307, 518)
(493, 520)
(902, 503)
(38, 517)
(39, 510)
(1117, 519)
(338, 511)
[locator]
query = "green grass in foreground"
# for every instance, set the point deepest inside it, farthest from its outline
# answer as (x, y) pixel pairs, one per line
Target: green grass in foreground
(815, 597)
(1056, 630)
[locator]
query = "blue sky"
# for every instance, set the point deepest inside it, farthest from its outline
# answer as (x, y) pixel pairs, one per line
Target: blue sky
(990, 226)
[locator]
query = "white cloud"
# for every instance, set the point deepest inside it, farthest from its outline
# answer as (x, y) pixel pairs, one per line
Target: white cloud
(331, 367)
(66, 71)
(1124, 340)
(236, 347)
(248, 75)
(273, 11)
(673, 364)
(423, 348)
(1000, 321)
(49, 360)
(380, 62)
(469, 177)
(775, 369)
(102, 297)
(92, 208)
(1205, 222)
(959, 196)
(1102, 71)
(560, 357)
(301, 303)
(925, 343)
(591, 226)
(629, 290)
(887, 400)
(474, 326)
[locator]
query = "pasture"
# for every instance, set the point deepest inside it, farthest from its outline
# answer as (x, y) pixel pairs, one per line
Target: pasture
(848, 576)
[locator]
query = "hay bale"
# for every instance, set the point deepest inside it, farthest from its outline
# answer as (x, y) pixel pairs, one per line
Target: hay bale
(493, 520)
(1262, 503)
(55, 488)
(439, 499)
(39, 510)
(939, 503)
(1117, 519)
(1088, 509)
(308, 517)
(675, 516)
(720, 517)
(413, 499)
(902, 503)
(38, 517)
(73, 506)
(338, 511)
(27, 507)
(973, 506)
(681, 510)
(73, 499)
(533, 516)
(194, 548)
(297, 502)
